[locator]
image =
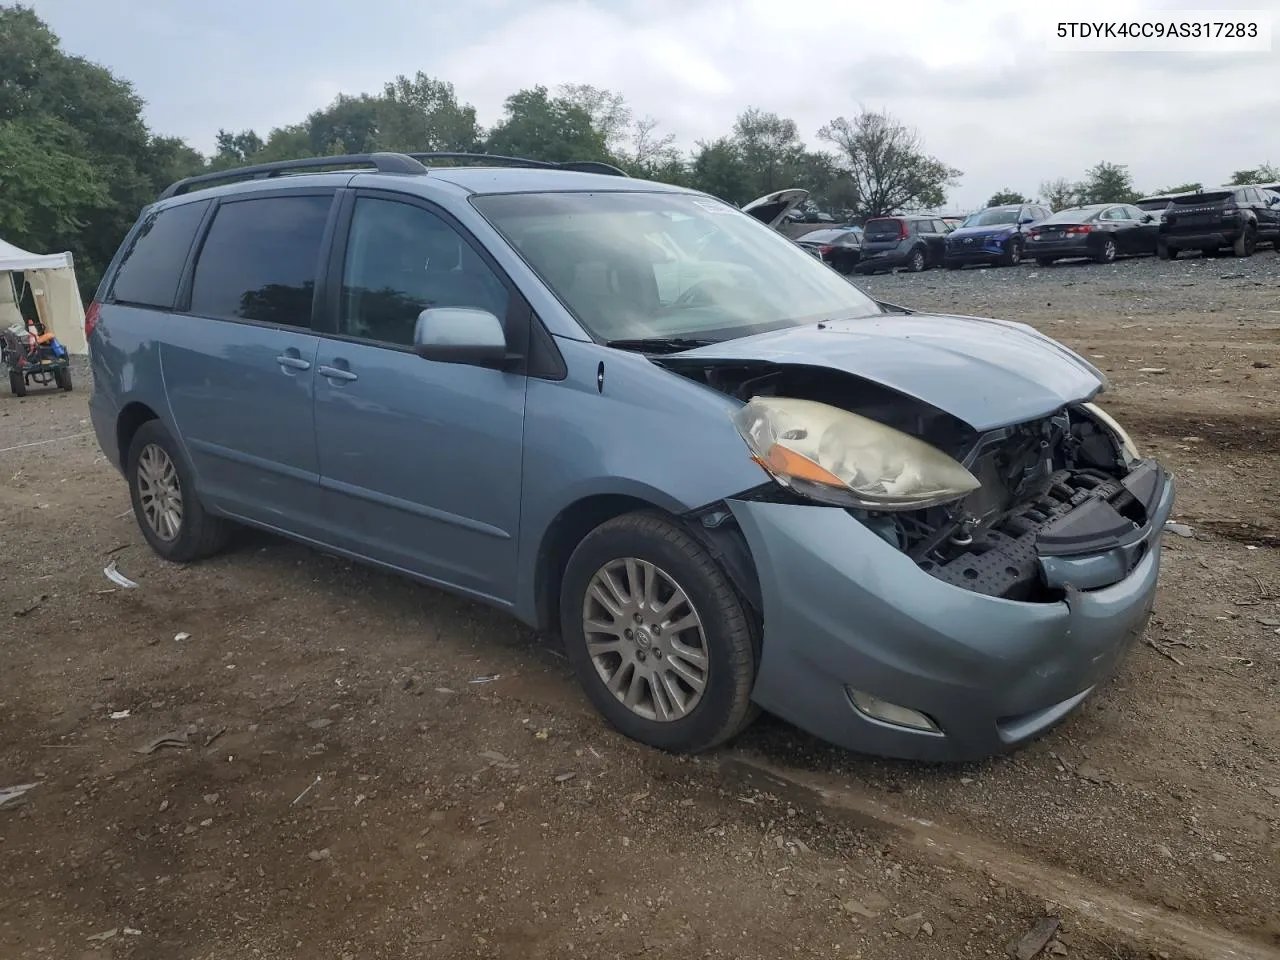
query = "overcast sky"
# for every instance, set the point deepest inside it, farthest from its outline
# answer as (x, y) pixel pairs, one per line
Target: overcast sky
(973, 76)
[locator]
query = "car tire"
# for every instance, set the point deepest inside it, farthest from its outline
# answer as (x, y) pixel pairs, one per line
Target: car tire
(1046, 261)
(1012, 253)
(1108, 252)
(62, 377)
(1246, 243)
(917, 261)
(178, 527)
(616, 562)
(17, 383)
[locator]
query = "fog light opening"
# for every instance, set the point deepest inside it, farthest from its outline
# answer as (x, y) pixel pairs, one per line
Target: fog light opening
(882, 710)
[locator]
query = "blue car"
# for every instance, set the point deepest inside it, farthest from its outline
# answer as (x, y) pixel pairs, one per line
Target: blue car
(636, 417)
(996, 235)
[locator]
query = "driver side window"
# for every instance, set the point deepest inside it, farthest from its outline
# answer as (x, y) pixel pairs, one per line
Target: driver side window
(402, 259)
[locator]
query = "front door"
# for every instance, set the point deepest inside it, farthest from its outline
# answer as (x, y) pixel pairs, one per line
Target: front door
(239, 366)
(420, 461)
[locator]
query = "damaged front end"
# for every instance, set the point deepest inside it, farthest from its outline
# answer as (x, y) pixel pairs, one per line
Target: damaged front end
(1057, 503)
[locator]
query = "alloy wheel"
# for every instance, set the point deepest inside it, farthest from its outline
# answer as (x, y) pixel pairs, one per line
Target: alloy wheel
(160, 492)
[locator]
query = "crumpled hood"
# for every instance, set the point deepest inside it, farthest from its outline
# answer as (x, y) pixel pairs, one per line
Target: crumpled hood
(981, 233)
(988, 373)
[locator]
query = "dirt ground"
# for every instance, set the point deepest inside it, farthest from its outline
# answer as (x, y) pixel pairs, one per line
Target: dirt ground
(349, 788)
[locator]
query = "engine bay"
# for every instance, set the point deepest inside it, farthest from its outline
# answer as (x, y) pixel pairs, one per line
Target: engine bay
(1060, 486)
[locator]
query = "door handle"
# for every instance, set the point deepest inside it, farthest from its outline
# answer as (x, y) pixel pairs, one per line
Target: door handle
(336, 373)
(295, 363)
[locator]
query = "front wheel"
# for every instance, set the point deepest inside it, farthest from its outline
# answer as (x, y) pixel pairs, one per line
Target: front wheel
(165, 503)
(1012, 253)
(660, 640)
(916, 263)
(1108, 252)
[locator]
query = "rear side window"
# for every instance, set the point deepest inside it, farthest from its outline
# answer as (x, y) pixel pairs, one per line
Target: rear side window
(260, 260)
(152, 264)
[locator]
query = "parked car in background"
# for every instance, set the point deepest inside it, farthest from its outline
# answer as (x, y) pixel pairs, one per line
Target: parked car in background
(1097, 231)
(993, 235)
(778, 207)
(1157, 204)
(839, 248)
(911, 242)
(952, 223)
(917, 537)
(1235, 217)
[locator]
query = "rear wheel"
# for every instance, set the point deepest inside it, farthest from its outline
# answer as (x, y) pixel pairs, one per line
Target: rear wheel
(17, 383)
(661, 641)
(1246, 242)
(1012, 253)
(917, 260)
(165, 503)
(62, 377)
(1108, 252)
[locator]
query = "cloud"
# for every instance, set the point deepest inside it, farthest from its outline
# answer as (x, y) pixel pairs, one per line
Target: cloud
(976, 79)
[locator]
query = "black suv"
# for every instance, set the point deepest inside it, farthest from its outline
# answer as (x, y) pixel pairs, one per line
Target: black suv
(1235, 217)
(907, 241)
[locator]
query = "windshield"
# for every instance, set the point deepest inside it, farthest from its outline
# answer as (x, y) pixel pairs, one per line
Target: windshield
(990, 218)
(632, 265)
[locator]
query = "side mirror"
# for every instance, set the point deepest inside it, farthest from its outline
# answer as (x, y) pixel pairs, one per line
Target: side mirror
(1148, 218)
(1274, 200)
(461, 335)
(1025, 220)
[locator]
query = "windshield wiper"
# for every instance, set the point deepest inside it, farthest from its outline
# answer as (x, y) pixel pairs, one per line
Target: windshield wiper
(660, 344)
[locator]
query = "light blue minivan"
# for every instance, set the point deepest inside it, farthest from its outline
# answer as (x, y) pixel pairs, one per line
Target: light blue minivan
(638, 418)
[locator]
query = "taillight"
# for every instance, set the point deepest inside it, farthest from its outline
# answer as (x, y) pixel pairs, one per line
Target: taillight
(90, 319)
(1035, 234)
(825, 249)
(1082, 228)
(902, 229)
(1231, 210)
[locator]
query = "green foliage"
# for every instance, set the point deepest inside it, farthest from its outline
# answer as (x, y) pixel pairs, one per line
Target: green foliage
(1263, 173)
(1006, 198)
(1190, 187)
(1060, 194)
(542, 127)
(47, 186)
(1107, 183)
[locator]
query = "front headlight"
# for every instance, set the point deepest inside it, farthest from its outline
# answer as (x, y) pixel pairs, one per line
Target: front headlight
(1126, 442)
(838, 457)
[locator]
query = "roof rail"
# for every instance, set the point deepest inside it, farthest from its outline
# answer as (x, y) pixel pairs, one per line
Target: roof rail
(382, 162)
(581, 166)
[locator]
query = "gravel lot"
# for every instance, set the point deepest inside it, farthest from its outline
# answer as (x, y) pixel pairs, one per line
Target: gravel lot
(348, 790)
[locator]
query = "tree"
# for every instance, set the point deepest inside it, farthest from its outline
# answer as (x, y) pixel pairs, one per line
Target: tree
(1192, 187)
(1263, 173)
(1060, 194)
(718, 169)
(1107, 183)
(652, 154)
(609, 113)
(770, 149)
(47, 187)
(887, 165)
(423, 115)
(235, 149)
(1006, 197)
(542, 127)
(348, 125)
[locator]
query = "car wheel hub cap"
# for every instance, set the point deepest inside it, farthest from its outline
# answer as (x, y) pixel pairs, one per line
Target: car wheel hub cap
(159, 492)
(645, 639)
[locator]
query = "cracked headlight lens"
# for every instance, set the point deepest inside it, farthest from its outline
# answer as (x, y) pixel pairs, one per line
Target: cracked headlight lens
(837, 457)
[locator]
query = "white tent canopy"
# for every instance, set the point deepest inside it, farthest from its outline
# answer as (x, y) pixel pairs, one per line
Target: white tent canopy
(52, 279)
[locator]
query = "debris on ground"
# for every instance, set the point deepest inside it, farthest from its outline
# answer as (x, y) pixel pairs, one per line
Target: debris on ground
(564, 777)
(1034, 940)
(909, 926)
(486, 679)
(319, 723)
(1181, 529)
(104, 936)
(11, 797)
(31, 607)
(180, 637)
(175, 738)
(318, 855)
(116, 577)
(1153, 369)
(120, 714)
(309, 788)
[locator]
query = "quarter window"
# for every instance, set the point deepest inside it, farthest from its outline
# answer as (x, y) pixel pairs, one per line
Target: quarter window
(402, 259)
(261, 259)
(151, 268)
